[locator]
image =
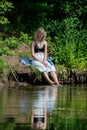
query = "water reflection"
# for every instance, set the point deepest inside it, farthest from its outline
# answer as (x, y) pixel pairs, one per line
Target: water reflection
(45, 107)
(42, 105)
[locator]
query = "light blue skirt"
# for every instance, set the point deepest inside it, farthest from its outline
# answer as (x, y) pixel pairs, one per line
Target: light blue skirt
(40, 66)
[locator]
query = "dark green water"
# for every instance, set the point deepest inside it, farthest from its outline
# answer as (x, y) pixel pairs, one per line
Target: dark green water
(44, 107)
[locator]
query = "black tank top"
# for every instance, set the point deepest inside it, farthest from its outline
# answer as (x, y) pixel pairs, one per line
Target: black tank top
(38, 49)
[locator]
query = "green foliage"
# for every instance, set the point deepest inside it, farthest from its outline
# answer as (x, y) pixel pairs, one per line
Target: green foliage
(5, 6)
(62, 72)
(53, 28)
(12, 42)
(3, 66)
(24, 38)
(9, 44)
(80, 64)
(5, 50)
(3, 20)
(7, 126)
(69, 47)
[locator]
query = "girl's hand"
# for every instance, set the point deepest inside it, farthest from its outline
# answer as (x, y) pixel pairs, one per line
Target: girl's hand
(44, 63)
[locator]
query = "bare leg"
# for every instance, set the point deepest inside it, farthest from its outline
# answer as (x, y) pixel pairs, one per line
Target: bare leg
(47, 78)
(54, 76)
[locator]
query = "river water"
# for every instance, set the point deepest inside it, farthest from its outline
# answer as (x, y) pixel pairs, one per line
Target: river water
(44, 107)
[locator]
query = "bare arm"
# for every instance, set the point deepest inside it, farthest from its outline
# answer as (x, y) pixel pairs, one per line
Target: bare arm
(45, 53)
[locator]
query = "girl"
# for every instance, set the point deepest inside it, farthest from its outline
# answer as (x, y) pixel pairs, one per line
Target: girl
(39, 54)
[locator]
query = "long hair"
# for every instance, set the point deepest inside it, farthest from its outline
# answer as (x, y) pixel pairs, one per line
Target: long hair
(39, 32)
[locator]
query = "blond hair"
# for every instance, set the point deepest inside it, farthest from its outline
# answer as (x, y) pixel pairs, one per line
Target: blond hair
(39, 32)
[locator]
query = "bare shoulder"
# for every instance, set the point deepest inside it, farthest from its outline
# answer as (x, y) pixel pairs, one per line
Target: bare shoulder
(45, 42)
(33, 43)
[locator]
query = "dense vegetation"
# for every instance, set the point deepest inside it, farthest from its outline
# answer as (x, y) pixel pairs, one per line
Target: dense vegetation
(64, 21)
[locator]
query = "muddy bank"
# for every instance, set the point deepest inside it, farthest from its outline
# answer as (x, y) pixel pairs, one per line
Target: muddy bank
(74, 78)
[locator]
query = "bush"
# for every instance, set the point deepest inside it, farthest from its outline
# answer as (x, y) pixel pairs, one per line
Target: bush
(3, 66)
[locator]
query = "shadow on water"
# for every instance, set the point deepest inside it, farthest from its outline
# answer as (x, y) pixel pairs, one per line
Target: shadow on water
(44, 107)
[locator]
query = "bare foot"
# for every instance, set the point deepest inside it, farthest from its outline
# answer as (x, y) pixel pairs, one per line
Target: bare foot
(58, 84)
(52, 83)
